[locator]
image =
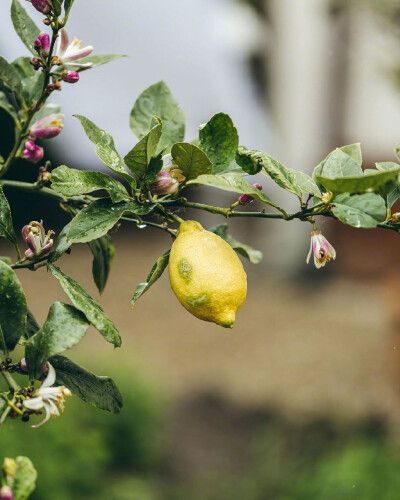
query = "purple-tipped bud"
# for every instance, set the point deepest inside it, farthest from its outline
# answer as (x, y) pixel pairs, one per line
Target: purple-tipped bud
(246, 199)
(38, 241)
(165, 183)
(70, 76)
(44, 40)
(48, 127)
(6, 493)
(23, 365)
(41, 5)
(37, 45)
(32, 152)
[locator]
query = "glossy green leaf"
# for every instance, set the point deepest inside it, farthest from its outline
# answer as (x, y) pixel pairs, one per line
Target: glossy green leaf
(98, 60)
(84, 303)
(31, 81)
(373, 180)
(105, 148)
(138, 159)
(157, 100)
(283, 176)
(72, 182)
(56, 6)
(11, 78)
(155, 273)
(219, 140)
(248, 161)
(6, 223)
(234, 183)
(360, 210)
(13, 309)
(25, 28)
(394, 194)
(8, 107)
(305, 183)
(32, 325)
(62, 245)
(254, 256)
(338, 164)
(354, 151)
(191, 160)
(68, 6)
(100, 216)
(103, 252)
(100, 392)
(64, 327)
(25, 479)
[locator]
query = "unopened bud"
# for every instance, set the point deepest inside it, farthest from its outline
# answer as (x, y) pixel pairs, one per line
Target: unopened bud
(46, 21)
(41, 5)
(6, 493)
(246, 199)
(164, 184)
(32, 152)
(48, 127)
(44, 40)
(23, 365)
(70, 76)
(35, 63)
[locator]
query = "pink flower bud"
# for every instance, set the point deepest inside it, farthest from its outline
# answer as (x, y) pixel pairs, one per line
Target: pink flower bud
(44, 40)
(246, 199)
(48, 127)
(165, 183)
(70, 76)
(6, 493)
(32, 152)
(38, 241)
(41, 5)
(23, 365)
(322, 249)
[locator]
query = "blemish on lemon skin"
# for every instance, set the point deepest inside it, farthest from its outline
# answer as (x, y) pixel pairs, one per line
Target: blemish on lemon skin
(198, 301)
(185, 270)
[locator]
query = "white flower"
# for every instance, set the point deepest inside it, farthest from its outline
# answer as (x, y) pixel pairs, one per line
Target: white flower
(323, 250)
(67, 52)
(48, 398)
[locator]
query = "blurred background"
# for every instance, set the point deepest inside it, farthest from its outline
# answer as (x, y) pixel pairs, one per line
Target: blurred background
(302, 399)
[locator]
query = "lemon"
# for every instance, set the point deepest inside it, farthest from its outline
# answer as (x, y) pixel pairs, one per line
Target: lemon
(206, 275)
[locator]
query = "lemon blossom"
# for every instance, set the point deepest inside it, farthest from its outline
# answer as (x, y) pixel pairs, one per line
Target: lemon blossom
(48, 398)
(67, 53)
(323, 250)
(38, 241)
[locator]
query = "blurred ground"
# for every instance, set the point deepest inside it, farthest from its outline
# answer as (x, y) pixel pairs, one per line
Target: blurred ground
(303, 348)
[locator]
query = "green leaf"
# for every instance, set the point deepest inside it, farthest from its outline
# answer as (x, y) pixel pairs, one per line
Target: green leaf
(105, 148)
(32, 326)
(103, 252)
(219, 140)
(248, 161)
(254, 256)
(32, 81)
(157, 100)
(100, 392)
(84, 303)
(64, 327)
(100, 216)
(191, 160)
(338, 164)
(10, 77)
(306, 183)
(98, 60)
(68, 6)
(8, 107)
(62, 245)
(138, 159)
(382, 182)
(155, 273)
(6, 223)
(354, 151)
(72, 182)
(360, 210)
(234, 183)
(283, 176)
(56, 6)
(24, 26)
(393, 195)
(47, 109)
(25, 479)
(13, 308)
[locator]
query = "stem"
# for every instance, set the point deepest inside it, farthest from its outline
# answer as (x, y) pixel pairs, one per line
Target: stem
(7, 411)
(12, 384)
(152, 224)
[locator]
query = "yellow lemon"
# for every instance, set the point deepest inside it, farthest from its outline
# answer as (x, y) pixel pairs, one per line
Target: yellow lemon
(206, 275)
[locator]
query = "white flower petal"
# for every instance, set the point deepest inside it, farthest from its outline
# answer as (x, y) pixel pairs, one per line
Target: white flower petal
(51, 377)
(34, 403)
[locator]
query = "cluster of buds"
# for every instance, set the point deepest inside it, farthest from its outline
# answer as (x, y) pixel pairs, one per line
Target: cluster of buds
(168, 179)
(39, 243)
(46, 128)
